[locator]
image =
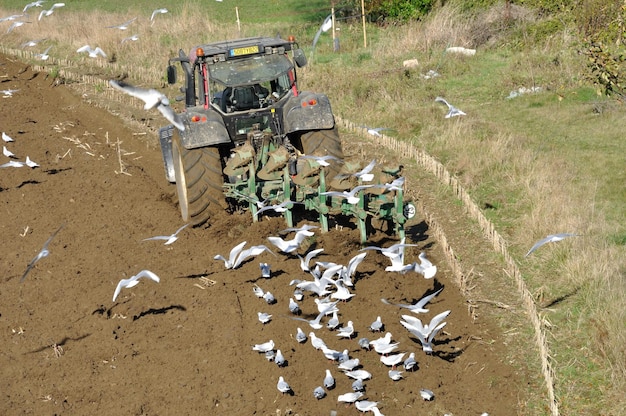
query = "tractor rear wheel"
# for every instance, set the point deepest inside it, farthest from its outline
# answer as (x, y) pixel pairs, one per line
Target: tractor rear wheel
(199, 180)
(321, 143)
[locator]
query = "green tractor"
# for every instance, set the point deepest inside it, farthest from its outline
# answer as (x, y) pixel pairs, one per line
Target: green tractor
(252, 139)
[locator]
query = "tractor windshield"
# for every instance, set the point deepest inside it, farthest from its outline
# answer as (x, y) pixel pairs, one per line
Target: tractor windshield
(251, 83)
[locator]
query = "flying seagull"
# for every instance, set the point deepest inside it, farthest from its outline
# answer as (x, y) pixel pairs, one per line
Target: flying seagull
(37, 3)
(170, 238)
(43, 253)
(93, 53)
(550, 239)
(134, 281)
(45, 13)
(452, 110)
(122, 26)
(44, 55)
(152, 98)
(326, 25)
(418, 307)
(157, 11)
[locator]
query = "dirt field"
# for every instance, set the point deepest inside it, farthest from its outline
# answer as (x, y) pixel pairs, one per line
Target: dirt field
(183, 346)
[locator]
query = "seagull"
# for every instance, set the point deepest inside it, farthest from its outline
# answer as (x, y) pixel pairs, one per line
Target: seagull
(346, 331)
(44, 55)
(51, 10)
(319, 393)
(316, 341)
(350, 397)
(329, 380)
(133, 281)
(264, 347)
(133, 38)
(364, 343)
(43, 253)
(282, 207)
(157, 11)
(321, 160)
(426, 267)
(93, 53)
(358, 385)
(8, 138)
(279, 359)
(169, 238)
(266, 271)
(377, 325)
(8, 93)
(293, 307)
(304, 262)
(410, 363)
(301, 336)
(348, 271)
(123, 26)
(365, 405)
(359, 374)
(282, 386)
(234, 252)
(395, 375)
(453, 111)
(552, 238)
(333, 322)
(392, 360)
(264, 317)
(152, 98)
(32, 42)
(349, 365)
(15, 25)
(375, 131)
(269, 298)
(418, 307)
(258, 291)
(8, 153)
(427, 394)
(12, 164)
(342, 292)
(365, 174)
(37, 3)
(313, 323)
(425, 333)
(289, 246)
(326, 25)
(30, 163)
(350, 196)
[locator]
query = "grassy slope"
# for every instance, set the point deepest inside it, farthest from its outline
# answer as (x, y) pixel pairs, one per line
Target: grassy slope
(544, 164)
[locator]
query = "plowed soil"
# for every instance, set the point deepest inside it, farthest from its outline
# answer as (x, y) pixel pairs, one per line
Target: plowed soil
(183, 346)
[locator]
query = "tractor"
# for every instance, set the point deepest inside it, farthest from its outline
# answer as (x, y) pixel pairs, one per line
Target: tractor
(252, 139)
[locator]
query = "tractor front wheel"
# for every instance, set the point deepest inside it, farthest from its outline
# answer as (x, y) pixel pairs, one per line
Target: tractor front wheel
(199, 181)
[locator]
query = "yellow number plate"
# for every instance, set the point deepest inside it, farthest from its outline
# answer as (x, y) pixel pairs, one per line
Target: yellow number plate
(244, 51)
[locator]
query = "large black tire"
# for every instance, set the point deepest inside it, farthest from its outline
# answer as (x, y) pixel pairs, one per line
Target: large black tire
(321, 143)
(199, 181)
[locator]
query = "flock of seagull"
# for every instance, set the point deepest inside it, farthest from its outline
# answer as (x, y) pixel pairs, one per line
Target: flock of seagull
(329, 285)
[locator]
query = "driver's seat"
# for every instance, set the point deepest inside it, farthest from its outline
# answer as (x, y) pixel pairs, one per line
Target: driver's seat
(241, 98)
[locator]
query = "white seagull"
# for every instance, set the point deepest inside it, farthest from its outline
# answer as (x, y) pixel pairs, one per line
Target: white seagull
(133, 38)
(427, 269)
(133, 281)
(282, 386)
(377, 325)
(157, 11)
(289, 246)
(122, 26)
(33, 42)
(30, 163)
(8, 93)
(14, 25)
(44, 252)
(37, 3)
(425, 333)
(452, 110)
(264, 317)
(350, 397)
(321, 160)
(8, 153)
(300, 336)
(169, 238)
(304, 262)
(152, 98)
(346, 331)
(417, 307)
(264, 347)
(93, 53)
(552, 238)
(45, 13)
(392, 360)
(12, 164)
(6, 138)
(329, 380)
(350, 196)
(234, 252)
(44, 55)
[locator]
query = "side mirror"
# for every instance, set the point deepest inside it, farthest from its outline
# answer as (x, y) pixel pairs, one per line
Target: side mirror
(171, 74)
(299, 57)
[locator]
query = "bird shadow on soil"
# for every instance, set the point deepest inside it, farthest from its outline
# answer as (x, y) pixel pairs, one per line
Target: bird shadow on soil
(159, 311)
(60, 344)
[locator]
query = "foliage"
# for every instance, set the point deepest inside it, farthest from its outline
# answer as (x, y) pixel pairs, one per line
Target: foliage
(607, 69)
(394, 11)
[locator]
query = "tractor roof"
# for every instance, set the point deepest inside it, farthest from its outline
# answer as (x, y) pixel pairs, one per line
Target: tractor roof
(242, 47)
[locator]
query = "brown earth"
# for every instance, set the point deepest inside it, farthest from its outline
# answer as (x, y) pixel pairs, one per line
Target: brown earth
(184, 346)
